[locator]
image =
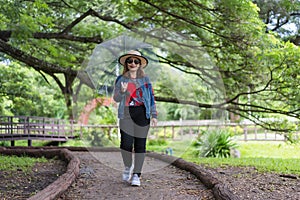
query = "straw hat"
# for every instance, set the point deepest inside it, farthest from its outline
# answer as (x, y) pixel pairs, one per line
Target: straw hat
(133, 53)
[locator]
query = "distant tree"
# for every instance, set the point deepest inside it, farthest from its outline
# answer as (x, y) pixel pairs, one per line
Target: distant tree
(24, 93)
(282, 17)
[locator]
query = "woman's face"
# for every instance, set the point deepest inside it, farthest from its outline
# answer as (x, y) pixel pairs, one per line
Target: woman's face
(133, 64)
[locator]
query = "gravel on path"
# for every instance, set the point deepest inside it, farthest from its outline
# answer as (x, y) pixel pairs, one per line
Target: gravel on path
(100, 178)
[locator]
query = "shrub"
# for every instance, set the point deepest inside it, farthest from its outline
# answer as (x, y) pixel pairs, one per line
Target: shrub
(98, 139)
(157, 142)
(160, 133)
(4, 143)
(215, 143)
(236, 130)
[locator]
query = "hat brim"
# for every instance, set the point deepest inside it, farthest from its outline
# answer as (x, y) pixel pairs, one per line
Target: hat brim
(144, 61)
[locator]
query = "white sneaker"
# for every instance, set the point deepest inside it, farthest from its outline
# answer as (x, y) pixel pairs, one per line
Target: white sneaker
(135, 180)
(127, 174)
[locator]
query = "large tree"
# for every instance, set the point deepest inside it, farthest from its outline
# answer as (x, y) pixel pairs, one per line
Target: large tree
(55, 37)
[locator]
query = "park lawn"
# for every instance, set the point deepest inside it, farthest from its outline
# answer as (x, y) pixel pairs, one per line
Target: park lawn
(76, 143)
(270, 149)
(14, 163)
(35, 143)
(263, 155)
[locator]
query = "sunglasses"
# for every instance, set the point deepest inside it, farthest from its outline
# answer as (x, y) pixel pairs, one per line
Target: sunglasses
(130, 60)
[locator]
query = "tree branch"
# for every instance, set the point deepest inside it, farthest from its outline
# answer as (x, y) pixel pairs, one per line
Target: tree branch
(96, 39)
(187, 102)
(77, 21)
(6, 34)
(40, 65)
(257, 91)
(37, 64)
(189, 21)
(110, 19)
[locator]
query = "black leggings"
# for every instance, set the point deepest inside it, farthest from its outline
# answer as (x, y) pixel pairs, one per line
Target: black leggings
(134, 129)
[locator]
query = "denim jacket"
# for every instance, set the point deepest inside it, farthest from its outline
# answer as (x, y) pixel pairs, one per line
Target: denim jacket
(147, 98)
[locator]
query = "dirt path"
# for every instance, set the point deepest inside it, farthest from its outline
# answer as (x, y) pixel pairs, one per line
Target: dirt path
(100, 178)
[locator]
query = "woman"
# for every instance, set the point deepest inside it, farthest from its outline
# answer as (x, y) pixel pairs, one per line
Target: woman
(133, 90)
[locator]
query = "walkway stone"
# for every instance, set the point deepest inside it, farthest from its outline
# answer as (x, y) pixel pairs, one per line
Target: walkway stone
(100, 178)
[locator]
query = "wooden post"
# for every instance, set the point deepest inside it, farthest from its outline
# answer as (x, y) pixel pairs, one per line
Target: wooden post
(10, 120)
(72, 130)
(265, 134)
(245, 133)
(44, 126)
(181, 130)
(109, 133)
(58, 126)
(255, 132)
(27, 125)
(173, 132)
(29, 142)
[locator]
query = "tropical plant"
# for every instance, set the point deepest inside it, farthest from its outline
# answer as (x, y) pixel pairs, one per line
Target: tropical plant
(215, 143)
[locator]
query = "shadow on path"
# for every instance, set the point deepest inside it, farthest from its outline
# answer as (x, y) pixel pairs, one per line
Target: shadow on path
(100, 178)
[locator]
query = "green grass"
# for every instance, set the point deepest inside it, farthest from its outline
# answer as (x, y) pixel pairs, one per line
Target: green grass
(279, 165)
(87, 143)
(13, 163)
(35, 143)
(264, 156)
(179, 147)
(269, 150)
(76, 143)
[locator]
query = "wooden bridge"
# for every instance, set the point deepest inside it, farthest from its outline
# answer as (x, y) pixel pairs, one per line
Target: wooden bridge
(34, 128)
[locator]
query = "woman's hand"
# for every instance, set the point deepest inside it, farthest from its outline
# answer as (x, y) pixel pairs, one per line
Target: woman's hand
(154, 122)
(124, 86)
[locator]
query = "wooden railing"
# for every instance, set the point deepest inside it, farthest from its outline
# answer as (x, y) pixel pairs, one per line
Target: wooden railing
(34, 128)
(246, 131)
(189, 128)
(40, 128)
